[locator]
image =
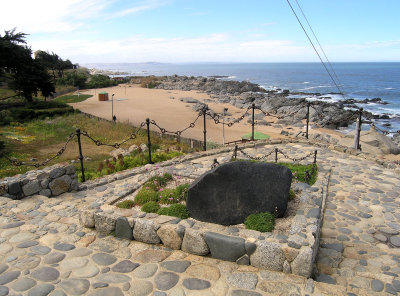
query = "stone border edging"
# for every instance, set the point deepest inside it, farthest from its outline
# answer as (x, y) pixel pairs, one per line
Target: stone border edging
(50, 181)
(293, 253)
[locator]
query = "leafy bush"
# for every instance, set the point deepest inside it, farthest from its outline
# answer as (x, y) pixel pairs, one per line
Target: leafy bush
(5, 117)
(126, 204)
(168, 196)
(2, 148)
(146, 195)
(99, 81)
(150, 207)
(156, 182)
(182, 191)
(299, 170)
(175, 210)
(263, 222)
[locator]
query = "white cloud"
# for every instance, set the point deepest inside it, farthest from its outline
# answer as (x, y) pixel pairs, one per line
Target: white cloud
(49, 16)
(138, 7)
(211, 48)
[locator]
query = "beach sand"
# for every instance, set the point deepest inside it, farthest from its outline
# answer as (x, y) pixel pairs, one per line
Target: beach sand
(134, 104)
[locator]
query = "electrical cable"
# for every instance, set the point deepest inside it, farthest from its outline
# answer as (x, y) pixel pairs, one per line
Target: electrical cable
(316, 51)
(320, 46)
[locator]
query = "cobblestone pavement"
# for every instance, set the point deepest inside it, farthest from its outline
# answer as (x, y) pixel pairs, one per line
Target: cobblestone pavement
(44, 250)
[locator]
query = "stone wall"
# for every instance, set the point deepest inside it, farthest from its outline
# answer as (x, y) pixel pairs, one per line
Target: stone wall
(50, 181)
(292, 252)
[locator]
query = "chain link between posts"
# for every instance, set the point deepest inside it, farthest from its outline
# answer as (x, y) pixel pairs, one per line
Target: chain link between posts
(115, 145)
(179, 132)
(16, 162)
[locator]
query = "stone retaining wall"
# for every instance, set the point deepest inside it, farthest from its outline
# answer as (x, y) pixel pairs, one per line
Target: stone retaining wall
(50, 181)
(293, 253)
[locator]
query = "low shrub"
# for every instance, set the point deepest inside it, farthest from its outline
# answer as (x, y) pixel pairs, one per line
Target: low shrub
(175, 210)
(126, 204)
(182, 191)
(156, 182)
(263, 222)
(150, 207)
(168, 196)
(146, 195)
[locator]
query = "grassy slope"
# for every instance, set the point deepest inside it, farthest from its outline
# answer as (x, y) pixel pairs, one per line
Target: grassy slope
(72, 98)
(40, 139)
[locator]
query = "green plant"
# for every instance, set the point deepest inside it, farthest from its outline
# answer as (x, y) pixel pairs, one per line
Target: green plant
(146, 195)
(211, 145)
(126, 204)
(156, 182)
(168, 196)
(182, 191)
(263, 222)
(292, 194)
(175, 210)
(72, 98)
(150, 207)
(299, 171)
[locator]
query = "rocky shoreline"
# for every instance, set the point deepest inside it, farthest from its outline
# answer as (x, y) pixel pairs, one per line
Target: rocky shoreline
(276, 102)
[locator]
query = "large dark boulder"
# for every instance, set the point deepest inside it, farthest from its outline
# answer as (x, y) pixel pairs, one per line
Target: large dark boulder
(229, 193)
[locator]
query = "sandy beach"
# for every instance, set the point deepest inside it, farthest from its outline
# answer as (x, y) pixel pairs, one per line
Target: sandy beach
(134, 104)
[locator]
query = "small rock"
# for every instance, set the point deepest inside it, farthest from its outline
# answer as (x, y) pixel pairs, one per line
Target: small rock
(196, 284)
(166, 280)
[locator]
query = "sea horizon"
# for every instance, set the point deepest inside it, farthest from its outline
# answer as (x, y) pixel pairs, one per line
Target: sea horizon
(358, 80)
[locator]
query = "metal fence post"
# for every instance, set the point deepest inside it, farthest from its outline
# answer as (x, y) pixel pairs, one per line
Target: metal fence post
(308, 118)
(148, 138)
(315, 156)
(235, 153)
(358, 131)
(78, 135)
(276, 155)
(252, 122)
(205, 130)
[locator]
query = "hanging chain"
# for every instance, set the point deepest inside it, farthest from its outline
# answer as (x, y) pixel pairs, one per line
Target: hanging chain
(179, 132)
(16, 162)
(257, 158)
(295, 159)
(115, 145)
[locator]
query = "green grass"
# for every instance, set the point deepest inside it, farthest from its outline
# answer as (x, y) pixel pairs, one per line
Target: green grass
(299, 170)
(146, 195)
(43, 138)
(263, 222)
(72, 98)
(175, 210)
(126, 204)
(150, 207)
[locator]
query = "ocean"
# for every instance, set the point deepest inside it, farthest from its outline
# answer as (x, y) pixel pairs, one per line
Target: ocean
(357, 80)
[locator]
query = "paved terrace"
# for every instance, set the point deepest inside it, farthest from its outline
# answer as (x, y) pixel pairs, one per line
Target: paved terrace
(44, 250)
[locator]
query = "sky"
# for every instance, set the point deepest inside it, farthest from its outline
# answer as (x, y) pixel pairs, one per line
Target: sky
(186, 31)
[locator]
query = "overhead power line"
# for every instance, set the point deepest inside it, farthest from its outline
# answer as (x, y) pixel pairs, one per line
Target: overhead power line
(320, 46)
(316, 51)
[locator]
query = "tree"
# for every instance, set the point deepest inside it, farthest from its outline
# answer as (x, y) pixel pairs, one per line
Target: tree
(54, 63)
(76, 78)
(26, 76)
